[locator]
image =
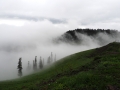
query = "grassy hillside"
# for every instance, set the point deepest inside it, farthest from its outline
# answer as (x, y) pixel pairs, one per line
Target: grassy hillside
(96, 69)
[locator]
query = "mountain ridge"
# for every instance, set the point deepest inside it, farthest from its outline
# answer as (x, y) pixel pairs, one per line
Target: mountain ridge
(77, 36)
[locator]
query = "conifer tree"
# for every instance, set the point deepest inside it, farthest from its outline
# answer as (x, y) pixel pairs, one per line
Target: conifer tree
(19, 67)
(35, 63)
(40, 63)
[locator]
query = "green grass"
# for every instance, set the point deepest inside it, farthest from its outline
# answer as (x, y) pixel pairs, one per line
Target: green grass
(96, 69)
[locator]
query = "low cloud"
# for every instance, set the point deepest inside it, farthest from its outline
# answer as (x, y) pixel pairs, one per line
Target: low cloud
(32, 18)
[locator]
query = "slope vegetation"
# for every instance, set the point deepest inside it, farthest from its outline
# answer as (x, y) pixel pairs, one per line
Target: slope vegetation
(96, 69)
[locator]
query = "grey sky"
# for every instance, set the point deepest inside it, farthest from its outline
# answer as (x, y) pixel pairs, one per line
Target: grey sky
(86, 13)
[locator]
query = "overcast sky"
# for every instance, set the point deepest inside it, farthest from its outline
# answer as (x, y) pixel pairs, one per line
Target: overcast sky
(62, 13)
(28, 26)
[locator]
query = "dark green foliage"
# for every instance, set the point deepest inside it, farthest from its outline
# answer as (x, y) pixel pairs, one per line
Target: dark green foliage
(88, 70)
(19, 67)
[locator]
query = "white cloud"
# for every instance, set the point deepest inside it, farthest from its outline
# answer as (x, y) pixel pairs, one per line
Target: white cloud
(12, 22)
(60, 11)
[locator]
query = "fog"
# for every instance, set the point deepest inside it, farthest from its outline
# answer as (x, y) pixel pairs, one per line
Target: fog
(36, 39)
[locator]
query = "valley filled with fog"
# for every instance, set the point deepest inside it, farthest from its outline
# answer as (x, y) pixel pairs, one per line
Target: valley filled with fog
(28, 42)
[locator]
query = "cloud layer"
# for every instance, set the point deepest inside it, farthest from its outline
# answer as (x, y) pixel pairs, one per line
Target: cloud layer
(93, 14)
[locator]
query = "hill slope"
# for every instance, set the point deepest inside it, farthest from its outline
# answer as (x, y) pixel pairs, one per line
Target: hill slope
(96, 69)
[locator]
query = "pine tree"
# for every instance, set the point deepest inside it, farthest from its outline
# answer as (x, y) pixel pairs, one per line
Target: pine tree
(40, 63)
(35, 62)
(19, 67)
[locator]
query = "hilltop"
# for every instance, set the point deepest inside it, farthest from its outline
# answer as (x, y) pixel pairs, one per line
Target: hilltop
(95, 69)
(78, 36)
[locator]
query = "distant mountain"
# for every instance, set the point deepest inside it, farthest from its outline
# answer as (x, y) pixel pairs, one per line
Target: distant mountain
(77, 36)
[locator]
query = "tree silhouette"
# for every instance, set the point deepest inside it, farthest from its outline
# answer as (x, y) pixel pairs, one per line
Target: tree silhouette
(19, 67)
(40, 63)
(35, 64)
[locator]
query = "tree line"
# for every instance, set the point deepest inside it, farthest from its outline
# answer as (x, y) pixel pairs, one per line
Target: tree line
(36, 65)
(70, 36)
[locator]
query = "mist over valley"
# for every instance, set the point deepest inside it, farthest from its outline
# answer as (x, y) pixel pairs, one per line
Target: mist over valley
(30, 43)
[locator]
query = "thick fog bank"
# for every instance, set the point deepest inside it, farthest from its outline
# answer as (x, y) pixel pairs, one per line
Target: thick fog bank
(28, 42)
